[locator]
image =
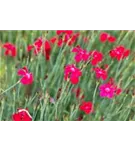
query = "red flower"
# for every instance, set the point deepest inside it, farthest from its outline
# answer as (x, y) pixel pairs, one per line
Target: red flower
(73, 39)
(10, 49)
(60, 42)
(97, 57)
(73, 73)
(119, 53)
(111, 39)
(27, 78)
(107, 37)
(104, 37)
(100, 73)
(87, 107)
(47, 50)
(118, 91)
(69, 32)
(81, 55)
(38, 44)
(22, 115)
(60, 31)
(66, 38)
(53, 40)
(30, 47)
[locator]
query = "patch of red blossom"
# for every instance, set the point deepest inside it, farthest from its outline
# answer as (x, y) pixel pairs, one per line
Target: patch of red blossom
(73, 39)
(107, 37)
(109, 89)
(69, 37)
(86, 107)
(73, 73)
(60, 42)
(100, 73)
(96, 57)
(22, 115)
(10, 49)
(27, 78)
(69, 32)
(30, 47)
(81, 54)
(38, 44)
(47, 50)
(53, 40)
(120, 52)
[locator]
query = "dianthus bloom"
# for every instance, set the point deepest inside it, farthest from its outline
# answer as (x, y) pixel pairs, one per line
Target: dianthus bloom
(47, 50)
(87, 107)
(120, 52)
(69, 32)
(107, 37)
(100, 73)
(96, 57)
(81, 55)
(27, 78)
(22, 115)
(10, 49)
(109, 90)
(73, 73)
(39, 44)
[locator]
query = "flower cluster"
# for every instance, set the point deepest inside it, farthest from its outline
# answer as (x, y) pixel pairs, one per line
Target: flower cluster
(72, 72)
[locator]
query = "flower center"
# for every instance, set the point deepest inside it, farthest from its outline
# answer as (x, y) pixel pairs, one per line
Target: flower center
(87, 107)
(107, 89)
(100, 72)
(73, 69)
(28, 75)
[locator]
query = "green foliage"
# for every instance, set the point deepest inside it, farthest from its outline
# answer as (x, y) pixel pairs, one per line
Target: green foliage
(36, 97)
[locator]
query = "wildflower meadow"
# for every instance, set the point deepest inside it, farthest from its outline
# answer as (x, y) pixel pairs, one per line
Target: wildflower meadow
(67, 75)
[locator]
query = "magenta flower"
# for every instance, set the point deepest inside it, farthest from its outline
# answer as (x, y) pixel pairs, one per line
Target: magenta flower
(81, 54)
(27, 78)
(73, 73)
(100, 73)
(107, 90)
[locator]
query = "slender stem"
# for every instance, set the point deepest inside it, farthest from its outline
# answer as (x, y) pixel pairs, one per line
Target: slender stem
(95, 92)
(10, 88)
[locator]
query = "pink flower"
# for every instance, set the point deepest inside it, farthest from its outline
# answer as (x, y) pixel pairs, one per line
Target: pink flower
(73, 73)
(27, 78)
(81, 55)
(107, 90)
(96, 57)
(100, 73)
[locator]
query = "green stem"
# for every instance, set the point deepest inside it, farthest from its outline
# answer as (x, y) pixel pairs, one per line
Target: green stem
(95, 92)
(10, 88)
